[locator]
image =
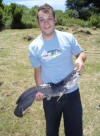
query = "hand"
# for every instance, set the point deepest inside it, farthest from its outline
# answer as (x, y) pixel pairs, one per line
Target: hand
(79, 65)
(39, 96)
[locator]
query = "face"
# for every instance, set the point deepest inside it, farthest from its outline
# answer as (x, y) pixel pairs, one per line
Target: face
(46, 22)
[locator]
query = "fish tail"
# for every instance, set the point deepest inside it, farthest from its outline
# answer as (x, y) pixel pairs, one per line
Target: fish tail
(25, 101)
(18, 111)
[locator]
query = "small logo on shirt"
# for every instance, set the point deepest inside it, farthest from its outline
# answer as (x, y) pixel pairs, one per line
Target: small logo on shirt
(51, 54)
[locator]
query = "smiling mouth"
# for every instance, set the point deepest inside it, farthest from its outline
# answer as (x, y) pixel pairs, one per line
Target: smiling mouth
(47, 28)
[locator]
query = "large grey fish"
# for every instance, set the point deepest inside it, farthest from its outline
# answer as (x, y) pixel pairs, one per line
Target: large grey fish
(49, 90)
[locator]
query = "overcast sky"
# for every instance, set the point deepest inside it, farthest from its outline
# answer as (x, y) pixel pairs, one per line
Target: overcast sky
(56, 4)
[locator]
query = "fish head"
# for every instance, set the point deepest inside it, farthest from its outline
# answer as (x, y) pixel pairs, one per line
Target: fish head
(73, 80)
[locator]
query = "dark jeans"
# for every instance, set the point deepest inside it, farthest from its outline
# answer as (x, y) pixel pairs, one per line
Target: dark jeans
(70, 106)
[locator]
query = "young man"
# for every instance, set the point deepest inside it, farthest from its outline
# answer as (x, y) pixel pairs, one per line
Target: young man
(51, 55)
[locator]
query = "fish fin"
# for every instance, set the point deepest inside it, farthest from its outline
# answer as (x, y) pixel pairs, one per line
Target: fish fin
(61, 94)
(59, 97)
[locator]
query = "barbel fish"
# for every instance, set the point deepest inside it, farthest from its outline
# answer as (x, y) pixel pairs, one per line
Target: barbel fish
(49, 90)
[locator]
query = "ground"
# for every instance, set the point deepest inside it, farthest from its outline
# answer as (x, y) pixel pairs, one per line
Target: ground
(16, 75)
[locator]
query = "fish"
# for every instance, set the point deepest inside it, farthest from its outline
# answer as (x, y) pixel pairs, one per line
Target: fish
(49, 90)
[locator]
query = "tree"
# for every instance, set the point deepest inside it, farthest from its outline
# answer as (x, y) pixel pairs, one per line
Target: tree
(33, 11)
(13, 7)
(78, 4)
(60, 17)
(1, 5)
(96, 3)
(72, 13)
(1, 14)
(17, 18)
(1, 18)
(84, 6)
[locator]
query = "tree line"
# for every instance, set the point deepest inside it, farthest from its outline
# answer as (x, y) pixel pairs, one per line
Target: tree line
(84, 13)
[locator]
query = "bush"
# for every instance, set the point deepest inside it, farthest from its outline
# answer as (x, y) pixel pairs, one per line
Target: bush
(61, 19)
(7, 16)
(12, 7)
(30, 24)
(17, 18)
(85, 13)
(7, 21)
(72, 13)
(94, 20)
(33, 11)
(76, 21)
(29, 20)
(1, 18)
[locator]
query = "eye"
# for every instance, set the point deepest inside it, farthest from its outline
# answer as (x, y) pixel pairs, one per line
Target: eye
(41, 20)
(50, 18)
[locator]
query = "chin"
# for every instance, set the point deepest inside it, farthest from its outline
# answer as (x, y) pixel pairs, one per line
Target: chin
(48, 32)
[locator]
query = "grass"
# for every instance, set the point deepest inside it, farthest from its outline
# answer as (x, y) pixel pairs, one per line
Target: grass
(16, 75)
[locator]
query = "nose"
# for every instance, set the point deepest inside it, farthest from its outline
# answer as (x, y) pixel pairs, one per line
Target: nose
(46, 22)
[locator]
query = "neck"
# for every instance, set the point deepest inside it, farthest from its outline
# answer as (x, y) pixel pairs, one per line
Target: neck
(48, 36)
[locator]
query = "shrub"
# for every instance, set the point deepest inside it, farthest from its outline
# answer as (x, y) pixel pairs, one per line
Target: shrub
(29, 20)
(17, 18)
(12, 7)
(33, 11)
(94, 20)
(1, 18)
(61, 21)
(72, 13)
(30, 24)
(7, 16)
(61, 17)
(85, 13)
(7, 21)
(76, 21)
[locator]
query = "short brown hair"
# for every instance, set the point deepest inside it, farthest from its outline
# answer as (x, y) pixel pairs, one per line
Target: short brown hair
(46, 8)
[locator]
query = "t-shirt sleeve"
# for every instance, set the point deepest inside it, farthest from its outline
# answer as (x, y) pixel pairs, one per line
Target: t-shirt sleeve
(33, 57)
(76, 49)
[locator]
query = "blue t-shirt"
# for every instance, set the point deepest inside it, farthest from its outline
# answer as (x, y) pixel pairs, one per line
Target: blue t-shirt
(55, 56)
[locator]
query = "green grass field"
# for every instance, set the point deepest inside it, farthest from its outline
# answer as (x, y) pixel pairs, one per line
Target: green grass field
(16, 75)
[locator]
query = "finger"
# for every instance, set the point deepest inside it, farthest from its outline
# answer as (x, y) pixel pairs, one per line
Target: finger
(81, 68)
(76, 66)
(39, 97)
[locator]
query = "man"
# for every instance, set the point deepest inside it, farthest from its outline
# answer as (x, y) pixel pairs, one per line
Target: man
(51, 55)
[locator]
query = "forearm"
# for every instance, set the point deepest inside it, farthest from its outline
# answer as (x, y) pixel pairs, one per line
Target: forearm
(37, 76)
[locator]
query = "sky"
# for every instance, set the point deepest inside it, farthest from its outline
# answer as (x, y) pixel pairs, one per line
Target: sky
(56, 4)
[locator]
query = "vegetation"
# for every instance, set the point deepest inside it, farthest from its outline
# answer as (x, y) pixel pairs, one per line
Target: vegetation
(92, 6)
(1, 14)
(87, 10)
(84, 13)
(1, 18)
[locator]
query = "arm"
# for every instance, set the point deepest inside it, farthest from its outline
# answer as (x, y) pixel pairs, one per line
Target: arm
(79, 63)
(37, 76)
(38, 80)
